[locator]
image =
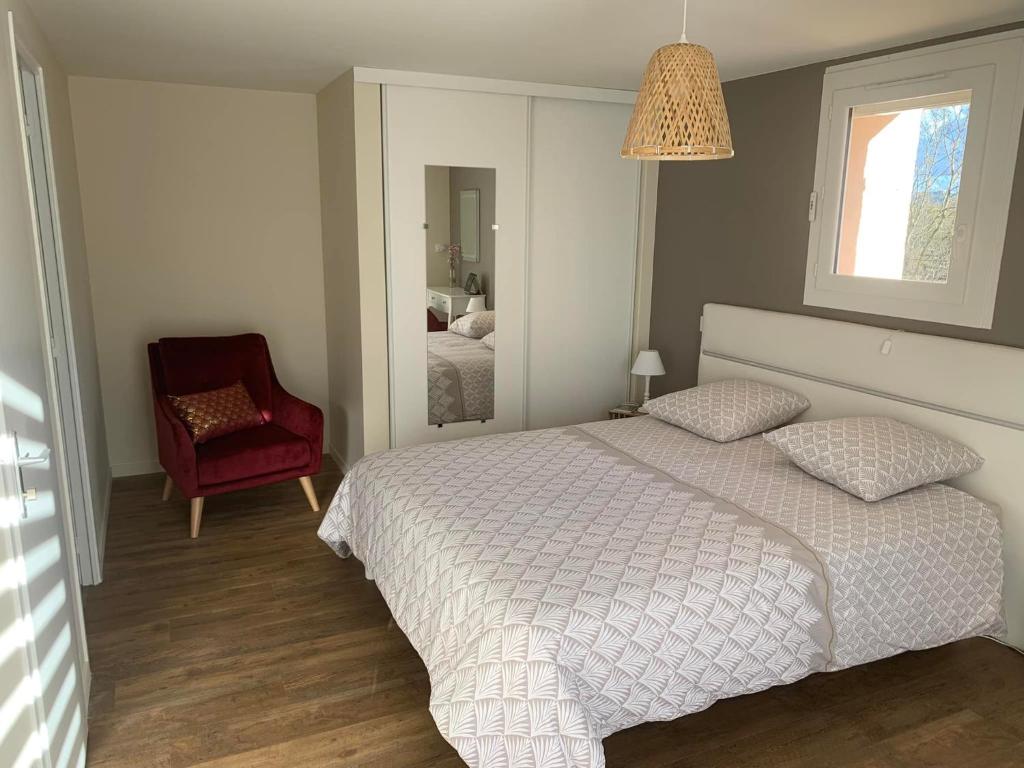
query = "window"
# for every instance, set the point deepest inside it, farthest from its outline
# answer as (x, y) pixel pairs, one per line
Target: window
(915, 163)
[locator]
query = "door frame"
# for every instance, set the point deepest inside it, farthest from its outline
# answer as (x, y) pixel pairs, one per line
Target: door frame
(89, 549)
(18, 48)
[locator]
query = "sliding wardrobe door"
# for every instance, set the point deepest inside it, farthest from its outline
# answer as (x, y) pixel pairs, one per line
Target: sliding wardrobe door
(456, 170)
(584, 203)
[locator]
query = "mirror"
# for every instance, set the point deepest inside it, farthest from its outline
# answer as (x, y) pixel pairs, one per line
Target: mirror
(460, 239)
(469, 224)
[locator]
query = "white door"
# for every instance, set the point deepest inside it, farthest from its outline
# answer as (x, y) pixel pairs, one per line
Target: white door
(38, 550)
(584, 204)
(479, 132)
(57, 311)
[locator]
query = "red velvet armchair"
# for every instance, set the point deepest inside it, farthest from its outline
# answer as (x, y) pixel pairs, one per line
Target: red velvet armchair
(288, 445)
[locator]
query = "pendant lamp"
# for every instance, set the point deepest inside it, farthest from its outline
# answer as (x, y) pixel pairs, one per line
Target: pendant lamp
(680, 112)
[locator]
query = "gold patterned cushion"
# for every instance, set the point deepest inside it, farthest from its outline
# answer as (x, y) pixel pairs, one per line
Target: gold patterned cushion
(217, 412)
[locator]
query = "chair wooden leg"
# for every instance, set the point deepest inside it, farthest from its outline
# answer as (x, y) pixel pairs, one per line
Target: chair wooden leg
(168, 487)
(196, 509)
(307, 486)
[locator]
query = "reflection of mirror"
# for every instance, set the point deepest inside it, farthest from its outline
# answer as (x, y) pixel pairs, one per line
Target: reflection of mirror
(469, 224)
(460, 320)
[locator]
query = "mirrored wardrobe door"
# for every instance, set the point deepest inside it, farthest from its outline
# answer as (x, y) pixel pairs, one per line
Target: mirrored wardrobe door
(456, 165)
(461, 322)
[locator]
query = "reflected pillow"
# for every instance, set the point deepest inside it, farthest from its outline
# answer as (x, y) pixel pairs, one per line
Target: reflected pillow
(488, 340)
(475, 325)
(217, 412)
(728, 410)
(873, 457)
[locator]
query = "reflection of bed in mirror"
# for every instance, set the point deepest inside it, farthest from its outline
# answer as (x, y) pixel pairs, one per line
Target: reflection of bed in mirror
(460, 378)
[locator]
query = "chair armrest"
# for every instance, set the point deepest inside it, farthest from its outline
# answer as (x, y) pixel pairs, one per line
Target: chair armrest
(175, 447)
(300, 417)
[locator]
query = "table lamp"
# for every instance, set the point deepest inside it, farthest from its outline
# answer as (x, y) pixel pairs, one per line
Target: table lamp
(648, 363)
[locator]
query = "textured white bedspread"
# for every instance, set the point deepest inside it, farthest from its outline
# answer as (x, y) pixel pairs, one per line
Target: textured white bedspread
(460, 378)
(564, 584)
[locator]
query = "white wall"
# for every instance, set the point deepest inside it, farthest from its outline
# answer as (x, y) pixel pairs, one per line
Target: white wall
(351, 191)
(202, 217)
(339, 231)
(373, 308)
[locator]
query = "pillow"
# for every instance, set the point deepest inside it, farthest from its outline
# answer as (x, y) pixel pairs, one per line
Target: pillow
(475, 325)
(488, 340)
(873, 457)
(216, 413)
(728, 410)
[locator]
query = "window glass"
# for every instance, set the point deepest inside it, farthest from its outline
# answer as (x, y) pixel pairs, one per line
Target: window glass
(901, 188)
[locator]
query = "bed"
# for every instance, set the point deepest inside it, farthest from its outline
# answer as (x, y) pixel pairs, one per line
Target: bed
(460, 378)
(564, 584)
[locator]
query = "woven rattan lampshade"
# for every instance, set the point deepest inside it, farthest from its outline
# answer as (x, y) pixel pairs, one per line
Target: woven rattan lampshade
(680, 112)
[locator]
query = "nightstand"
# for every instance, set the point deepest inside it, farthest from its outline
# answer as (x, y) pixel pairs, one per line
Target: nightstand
(622, 412)
(451, 301)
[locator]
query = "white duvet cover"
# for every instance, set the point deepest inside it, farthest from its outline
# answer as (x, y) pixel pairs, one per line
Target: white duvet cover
(564, 584)
(460, 378)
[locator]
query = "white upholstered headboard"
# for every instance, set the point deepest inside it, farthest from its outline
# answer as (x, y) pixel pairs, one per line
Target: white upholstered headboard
(968, 391)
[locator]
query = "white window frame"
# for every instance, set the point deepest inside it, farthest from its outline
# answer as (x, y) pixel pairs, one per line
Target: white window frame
(992, 68)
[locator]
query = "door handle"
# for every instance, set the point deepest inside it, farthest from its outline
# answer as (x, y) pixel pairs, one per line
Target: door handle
(27, 460)
(22, 460)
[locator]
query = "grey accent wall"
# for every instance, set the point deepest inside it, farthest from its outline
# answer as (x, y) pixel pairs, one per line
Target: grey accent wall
(482, 179)
(735, 231)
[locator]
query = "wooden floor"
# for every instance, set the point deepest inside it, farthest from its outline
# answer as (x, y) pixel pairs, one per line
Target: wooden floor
(254, 646)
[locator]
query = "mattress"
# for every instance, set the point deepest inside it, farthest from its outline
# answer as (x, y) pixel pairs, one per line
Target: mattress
(563, 584)
(460, 378)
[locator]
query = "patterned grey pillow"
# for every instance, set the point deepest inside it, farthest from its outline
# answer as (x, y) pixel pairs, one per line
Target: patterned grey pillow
(475, 325)
(873, 457)
(488, 340)
(728, 410)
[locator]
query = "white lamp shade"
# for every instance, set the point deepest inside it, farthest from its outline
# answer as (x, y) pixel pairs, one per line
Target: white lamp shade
(648, 363)
(476, 304)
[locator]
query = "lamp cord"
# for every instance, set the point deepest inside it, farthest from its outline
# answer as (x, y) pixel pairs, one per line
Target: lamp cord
(682, 37)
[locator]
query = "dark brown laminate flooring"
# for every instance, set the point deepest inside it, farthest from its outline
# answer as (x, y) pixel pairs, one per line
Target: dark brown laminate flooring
(254, 646)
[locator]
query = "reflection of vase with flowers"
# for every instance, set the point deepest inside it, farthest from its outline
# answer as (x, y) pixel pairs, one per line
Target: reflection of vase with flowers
(454, 255)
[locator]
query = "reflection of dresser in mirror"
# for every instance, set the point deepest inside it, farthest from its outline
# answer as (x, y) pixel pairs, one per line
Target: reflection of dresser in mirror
(453, 302)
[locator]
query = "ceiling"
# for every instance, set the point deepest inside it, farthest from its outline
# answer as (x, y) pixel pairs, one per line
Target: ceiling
(301, 45)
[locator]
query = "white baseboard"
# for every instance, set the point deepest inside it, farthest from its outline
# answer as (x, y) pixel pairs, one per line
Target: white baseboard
(130, 468)
(338, 460)
(101, 534)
